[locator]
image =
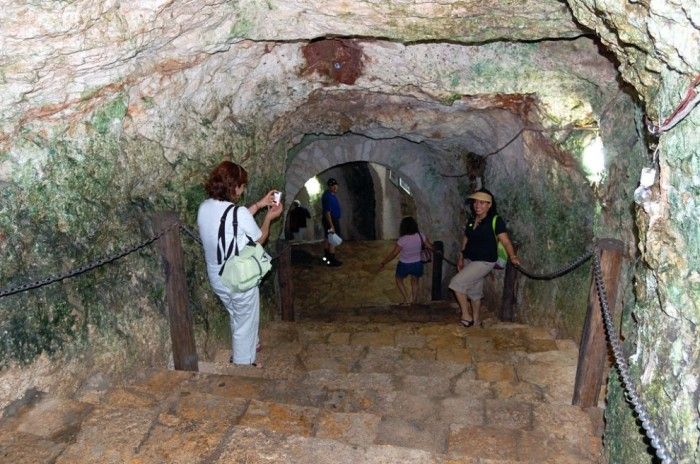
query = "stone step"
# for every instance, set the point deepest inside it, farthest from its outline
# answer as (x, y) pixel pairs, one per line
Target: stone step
(347, 391)
(508, 353)
(428, 312)
(255, 446)
(174, 416)
(398, 419)
(411, 398)
(500, 339)
(531, 381)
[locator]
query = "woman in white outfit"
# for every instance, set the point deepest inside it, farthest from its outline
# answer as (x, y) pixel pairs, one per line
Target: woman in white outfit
(226, 184)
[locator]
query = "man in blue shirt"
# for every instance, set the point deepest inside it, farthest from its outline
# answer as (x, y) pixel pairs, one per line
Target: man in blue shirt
(331, 221)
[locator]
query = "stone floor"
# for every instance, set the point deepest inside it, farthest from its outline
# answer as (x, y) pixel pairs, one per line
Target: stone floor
(376, 384)
(357, 283)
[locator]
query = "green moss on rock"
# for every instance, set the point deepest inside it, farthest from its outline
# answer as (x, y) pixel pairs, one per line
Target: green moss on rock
(619, 415)
(113, 111)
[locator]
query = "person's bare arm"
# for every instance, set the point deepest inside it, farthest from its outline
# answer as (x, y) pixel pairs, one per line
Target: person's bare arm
(505, 240)
(392, 254)
(272, 213)
(266, 200)
(330, 220)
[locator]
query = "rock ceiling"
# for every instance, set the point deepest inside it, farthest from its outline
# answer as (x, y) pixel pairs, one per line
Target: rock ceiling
(251, 59)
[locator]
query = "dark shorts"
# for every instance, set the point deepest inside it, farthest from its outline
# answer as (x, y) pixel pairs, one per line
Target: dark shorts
(327, 225)
(407, 269)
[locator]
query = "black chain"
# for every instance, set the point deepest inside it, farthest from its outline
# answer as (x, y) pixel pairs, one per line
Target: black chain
(441, 253)
(193, 235)
(553, 275)
(85, 267)
(107, 259)
(623, 368)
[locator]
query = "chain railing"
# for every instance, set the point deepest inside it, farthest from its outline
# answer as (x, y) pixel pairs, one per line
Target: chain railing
(85, 267)
(552, 275)
(623, 368)
(36, 283)
(192, 234)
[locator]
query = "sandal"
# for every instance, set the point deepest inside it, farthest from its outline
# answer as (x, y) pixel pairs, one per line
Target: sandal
(466, 323)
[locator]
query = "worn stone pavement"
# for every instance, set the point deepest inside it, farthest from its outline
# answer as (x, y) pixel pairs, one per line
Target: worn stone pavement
(379, 384)
(320, 290)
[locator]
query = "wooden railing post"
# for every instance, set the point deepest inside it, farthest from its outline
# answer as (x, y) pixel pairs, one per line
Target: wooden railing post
(593, 352)
(436, 290)
(180, 317)
(511, 279)
(284, 279)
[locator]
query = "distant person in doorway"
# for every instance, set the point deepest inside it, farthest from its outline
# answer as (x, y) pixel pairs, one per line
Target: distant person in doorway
(408, 249)
(331, 221)
(225, 187)
(478, 255)
(296, 221)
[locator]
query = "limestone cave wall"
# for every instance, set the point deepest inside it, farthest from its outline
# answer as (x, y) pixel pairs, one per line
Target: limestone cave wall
(658, 47)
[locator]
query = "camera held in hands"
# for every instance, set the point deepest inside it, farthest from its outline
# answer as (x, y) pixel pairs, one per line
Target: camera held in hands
(277, 197)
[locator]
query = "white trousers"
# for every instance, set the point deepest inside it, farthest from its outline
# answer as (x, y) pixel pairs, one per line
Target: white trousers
(470, 280)
(244, 318)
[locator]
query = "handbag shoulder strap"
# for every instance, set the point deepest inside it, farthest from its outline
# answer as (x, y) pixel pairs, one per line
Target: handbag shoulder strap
(235, 231)
(420, 236)
(222, 253)
(235, 227)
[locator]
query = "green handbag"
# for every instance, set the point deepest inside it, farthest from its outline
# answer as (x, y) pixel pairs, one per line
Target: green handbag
(242, 269)
(500, 249)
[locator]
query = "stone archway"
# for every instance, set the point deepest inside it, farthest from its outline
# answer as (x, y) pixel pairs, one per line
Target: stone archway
(418, 164)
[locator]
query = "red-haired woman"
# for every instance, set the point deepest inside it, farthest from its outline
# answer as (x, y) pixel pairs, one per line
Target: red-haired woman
(226, 184)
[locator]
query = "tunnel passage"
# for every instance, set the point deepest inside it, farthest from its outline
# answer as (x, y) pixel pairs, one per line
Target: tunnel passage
(432, 145)
(141, 98)
(446, 151)
(413, 162)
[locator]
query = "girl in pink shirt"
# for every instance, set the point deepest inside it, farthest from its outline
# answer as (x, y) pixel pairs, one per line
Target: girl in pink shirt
(408, 249)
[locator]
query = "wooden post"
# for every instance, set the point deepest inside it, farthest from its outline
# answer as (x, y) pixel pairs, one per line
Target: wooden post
(438, 250)
(181, 328)
(511, 279)
(284, 279)
(593, 352)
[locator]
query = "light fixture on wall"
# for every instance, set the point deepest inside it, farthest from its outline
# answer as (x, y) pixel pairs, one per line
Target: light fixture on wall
(313, 187)
(398, 181)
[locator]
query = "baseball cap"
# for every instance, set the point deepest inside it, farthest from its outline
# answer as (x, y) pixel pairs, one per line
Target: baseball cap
(331, 182)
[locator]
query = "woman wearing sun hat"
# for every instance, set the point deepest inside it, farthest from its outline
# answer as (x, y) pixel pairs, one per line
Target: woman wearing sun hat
(478, 255)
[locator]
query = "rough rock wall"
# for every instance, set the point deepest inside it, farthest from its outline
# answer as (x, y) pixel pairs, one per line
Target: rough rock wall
(550, 210)
(658, 46)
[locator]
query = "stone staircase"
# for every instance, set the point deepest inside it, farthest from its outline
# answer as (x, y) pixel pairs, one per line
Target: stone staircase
(377, 385)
